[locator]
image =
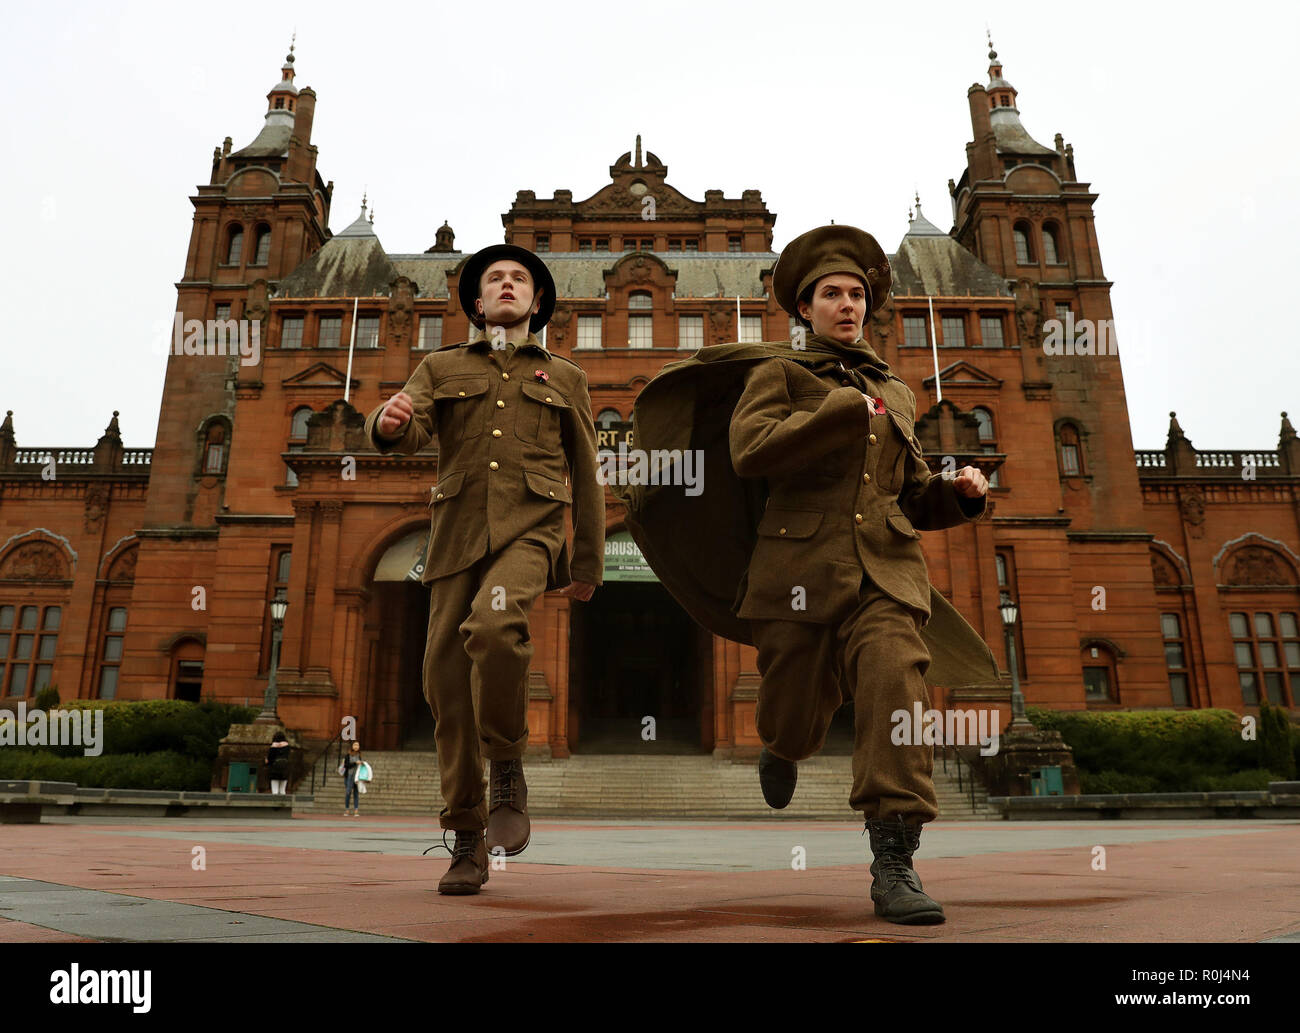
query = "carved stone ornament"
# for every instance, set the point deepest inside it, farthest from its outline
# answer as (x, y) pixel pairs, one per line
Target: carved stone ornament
(1257, 566)
(1163, 573)
(1192, 508)
(558, 327)
(35, 561)
(123, 568)
(96, 507)
(400, 311)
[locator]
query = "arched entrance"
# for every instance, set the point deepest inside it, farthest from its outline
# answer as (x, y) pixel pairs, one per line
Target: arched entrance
(634, 655)
(397, 620)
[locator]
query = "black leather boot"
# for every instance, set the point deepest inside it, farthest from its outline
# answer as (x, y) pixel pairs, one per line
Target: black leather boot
(895, 886)
(777, 778)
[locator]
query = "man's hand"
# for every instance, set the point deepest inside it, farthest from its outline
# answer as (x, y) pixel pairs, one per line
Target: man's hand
(396, 414)
(579, 590)
(970, 482)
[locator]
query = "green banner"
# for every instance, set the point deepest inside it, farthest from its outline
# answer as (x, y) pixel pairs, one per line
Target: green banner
(624, 561)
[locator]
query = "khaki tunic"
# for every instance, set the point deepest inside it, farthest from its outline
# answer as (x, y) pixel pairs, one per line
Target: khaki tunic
(848, 490)
(516, 446)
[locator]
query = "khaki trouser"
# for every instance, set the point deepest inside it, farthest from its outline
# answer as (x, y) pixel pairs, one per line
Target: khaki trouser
(476, 662)
(874, 655)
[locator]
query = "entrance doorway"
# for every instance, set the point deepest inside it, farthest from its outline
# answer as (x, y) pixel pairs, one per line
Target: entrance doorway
(397, 620)
(640, 674)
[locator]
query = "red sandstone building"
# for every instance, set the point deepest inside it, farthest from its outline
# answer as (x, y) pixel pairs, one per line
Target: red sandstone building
(1163, 578)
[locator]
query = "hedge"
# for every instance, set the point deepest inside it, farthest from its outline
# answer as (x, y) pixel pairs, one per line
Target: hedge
(166, 770)
(147, 744)
(1168, 751)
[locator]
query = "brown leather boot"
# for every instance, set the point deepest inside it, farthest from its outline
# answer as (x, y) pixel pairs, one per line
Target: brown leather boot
(469, 865)
(508, 830)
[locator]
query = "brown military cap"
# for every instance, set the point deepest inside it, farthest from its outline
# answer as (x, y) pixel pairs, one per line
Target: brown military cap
(826, 250)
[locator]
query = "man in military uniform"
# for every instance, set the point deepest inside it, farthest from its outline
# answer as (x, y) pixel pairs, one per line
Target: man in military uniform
(516, 447)
(833, 589)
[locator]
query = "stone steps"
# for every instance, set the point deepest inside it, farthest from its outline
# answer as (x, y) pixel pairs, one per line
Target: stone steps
(629, 786)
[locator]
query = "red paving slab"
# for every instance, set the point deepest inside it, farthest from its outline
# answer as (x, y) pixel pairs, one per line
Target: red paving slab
(21, 932)
(1219, 888)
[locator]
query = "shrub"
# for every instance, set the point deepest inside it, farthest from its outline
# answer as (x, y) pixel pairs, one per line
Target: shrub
(163, 770)
(47, 698)
(163, 725)
(1169, 751)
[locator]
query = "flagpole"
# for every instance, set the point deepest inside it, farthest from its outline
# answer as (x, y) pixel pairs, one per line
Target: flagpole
(934, 348)
(352, 340)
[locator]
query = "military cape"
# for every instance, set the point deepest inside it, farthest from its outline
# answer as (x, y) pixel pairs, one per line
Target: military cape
(699, 546)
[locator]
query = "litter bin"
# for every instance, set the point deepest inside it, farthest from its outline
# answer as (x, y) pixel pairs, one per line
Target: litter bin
(242, 777)
(1046, 781)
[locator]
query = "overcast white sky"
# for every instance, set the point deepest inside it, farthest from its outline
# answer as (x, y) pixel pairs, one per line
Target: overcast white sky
(1182, 119)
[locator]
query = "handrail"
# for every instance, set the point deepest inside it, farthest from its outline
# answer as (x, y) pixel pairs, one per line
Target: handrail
(325, 770)
(966, 785)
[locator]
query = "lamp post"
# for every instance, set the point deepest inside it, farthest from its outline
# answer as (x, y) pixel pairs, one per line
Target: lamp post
(1010, 614)
(268, 715)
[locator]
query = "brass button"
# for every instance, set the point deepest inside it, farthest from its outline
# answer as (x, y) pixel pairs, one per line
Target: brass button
(783, 530)
(461, 393)
(548, 398)
(857, 517)
(439, 495)
(505, 376)
(551, 493)
(500, 404)
(496, 433)
(493, 465)
(866, 478)
(872, 438)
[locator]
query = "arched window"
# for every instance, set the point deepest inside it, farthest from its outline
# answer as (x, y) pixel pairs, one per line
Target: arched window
(1071, 454)
(298, 431)
(235, 246)
(297, 440)
(1100, 680)
(607, 418)
(640, 325)
(988, 441)
(214, 449)
(263, 253)
(1051, 252)
(1024, 248)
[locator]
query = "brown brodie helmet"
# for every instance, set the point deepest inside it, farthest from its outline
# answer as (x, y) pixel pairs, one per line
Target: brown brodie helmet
(472, 271)
(826, 250)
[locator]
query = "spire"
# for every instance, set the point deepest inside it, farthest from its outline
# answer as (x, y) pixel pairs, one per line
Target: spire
(361, 226)
(1288, 431)
(920, 226)
(638, 150)
(1001, 92)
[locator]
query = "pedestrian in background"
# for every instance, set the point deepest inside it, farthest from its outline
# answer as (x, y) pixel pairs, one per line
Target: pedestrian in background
(277, 762)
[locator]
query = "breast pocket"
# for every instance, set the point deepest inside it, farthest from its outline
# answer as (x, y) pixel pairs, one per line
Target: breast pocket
(537, 420)
(459, 404)
(901, 451)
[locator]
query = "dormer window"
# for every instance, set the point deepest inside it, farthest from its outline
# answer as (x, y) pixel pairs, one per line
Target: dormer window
(279, 102)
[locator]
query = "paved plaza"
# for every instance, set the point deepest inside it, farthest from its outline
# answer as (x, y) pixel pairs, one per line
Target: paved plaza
(365, 880)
